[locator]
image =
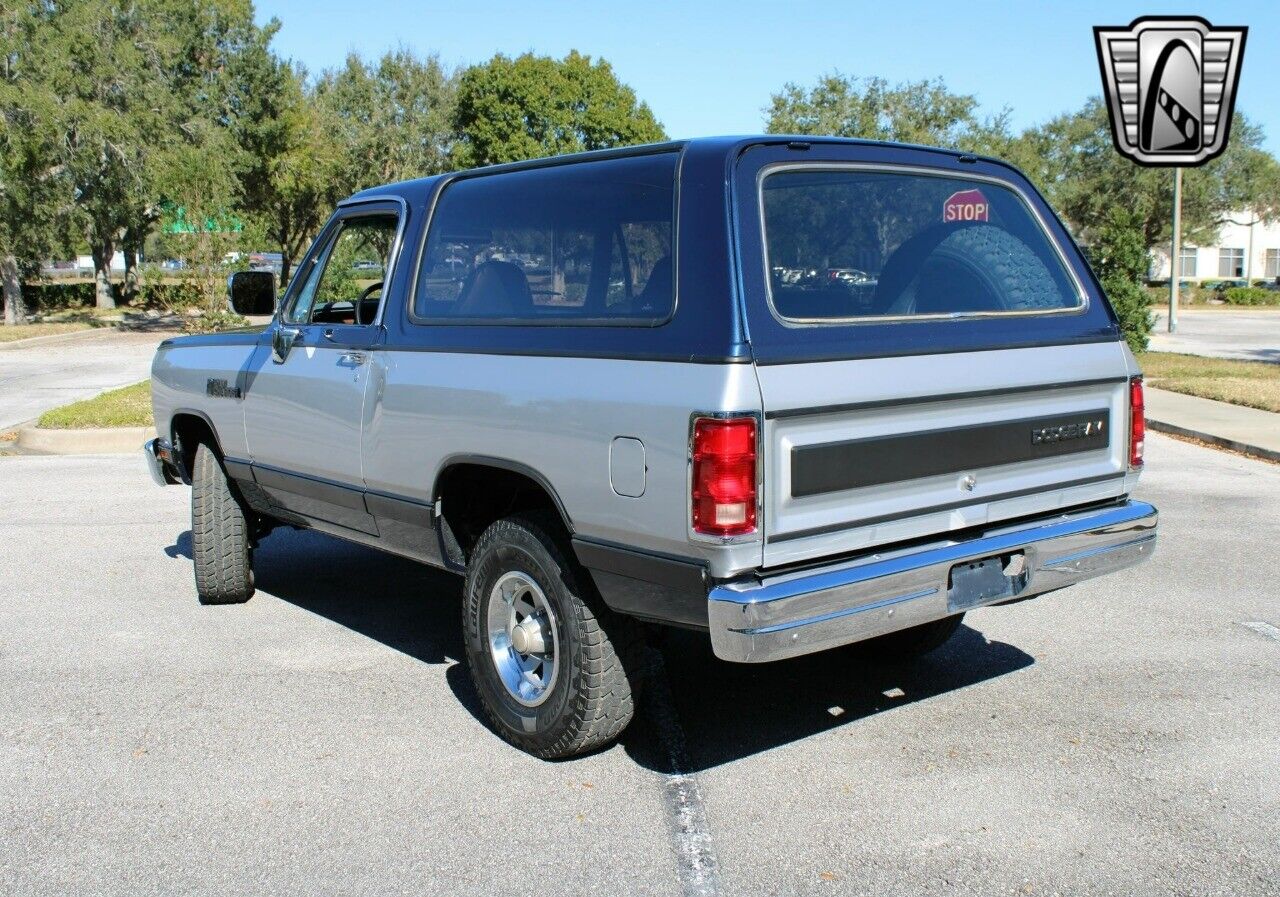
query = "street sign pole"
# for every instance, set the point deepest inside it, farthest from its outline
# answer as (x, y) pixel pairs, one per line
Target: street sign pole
(1175, 258)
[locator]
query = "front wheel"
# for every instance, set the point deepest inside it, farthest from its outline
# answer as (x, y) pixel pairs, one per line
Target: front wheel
(556, 671)
(220, 532)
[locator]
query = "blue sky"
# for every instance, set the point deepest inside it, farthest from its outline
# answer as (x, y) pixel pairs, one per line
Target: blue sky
(710, 67)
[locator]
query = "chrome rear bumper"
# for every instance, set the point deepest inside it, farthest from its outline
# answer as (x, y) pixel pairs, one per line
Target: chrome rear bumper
(798, 613)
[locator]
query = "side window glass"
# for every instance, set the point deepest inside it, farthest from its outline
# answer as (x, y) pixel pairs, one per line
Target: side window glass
(575, 244)
(647, 245)
(345, 284)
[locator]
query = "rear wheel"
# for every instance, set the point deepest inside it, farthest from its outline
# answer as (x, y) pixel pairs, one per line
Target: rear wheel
(220, 533)
(556, 671)
(906, 644)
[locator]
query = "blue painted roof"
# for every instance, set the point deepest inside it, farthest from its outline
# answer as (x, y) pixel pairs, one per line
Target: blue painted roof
(417, 190)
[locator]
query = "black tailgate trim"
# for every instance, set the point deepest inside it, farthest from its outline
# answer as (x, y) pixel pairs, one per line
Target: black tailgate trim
(858, 463)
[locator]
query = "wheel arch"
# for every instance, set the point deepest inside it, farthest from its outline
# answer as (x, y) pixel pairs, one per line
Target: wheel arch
(188, 427)
(493, 488)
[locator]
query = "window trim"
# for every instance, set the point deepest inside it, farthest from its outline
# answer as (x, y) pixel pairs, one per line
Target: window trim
(635, 323)
(1194, 253)
(345, 211)
(769, 170)
(1229, 255)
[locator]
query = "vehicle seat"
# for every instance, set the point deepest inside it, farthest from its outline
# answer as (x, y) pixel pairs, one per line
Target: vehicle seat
(495, 290)
(656, 294)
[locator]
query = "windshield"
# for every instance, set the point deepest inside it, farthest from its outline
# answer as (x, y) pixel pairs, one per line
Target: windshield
(852, 243)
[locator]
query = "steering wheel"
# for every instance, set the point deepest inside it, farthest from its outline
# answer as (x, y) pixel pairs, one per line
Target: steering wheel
(364, 294)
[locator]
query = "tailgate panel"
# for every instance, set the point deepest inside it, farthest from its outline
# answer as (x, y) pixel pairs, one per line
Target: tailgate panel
(872, 451)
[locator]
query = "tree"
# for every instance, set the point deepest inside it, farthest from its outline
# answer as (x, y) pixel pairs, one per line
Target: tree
(391, 120)
(1072, 159)
(294, 189)
(920, 112)
(29, 172)
(511, 109)
(137, 84)
(288, 161)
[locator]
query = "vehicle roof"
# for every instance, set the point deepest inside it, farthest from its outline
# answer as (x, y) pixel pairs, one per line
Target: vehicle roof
(417, 190)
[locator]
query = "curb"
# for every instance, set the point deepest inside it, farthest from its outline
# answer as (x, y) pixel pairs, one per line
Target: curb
(104, 441)
(1254, 451)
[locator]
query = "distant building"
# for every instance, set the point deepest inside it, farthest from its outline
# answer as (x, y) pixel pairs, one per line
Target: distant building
(1232, 257)
(85, 262)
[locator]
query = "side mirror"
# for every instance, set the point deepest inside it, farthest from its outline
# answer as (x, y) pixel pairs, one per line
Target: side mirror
(252, 293)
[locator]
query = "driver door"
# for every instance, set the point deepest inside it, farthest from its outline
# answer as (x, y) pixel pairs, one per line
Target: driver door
(304, 405)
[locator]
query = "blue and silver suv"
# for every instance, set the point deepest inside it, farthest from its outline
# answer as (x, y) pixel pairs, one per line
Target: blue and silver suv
(793, 393)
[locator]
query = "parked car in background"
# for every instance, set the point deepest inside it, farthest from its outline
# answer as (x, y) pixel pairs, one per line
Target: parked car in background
(266, 261)
(658, 426)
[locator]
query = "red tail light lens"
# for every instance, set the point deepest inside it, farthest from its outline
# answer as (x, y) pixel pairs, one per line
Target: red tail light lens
(1137, 422)
(724, 476)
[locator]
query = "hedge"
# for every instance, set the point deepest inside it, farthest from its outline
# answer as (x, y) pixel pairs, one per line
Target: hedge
(48, 297)
(1252, 296)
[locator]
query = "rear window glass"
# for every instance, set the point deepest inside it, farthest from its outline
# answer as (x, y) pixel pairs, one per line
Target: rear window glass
(586, 243)
(844, 244)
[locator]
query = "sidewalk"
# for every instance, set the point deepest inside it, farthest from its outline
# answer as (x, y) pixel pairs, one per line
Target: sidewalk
(1246, 430)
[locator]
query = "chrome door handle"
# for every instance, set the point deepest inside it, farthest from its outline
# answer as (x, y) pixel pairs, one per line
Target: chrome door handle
(353, 358)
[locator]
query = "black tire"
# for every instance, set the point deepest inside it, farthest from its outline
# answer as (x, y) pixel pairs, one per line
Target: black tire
(1009, 270)
(220, 532)
(593, 693)
(907, 644)
(1008, 266)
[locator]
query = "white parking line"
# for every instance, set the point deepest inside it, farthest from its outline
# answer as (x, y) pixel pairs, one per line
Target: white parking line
(698, 868)
(1266, 629)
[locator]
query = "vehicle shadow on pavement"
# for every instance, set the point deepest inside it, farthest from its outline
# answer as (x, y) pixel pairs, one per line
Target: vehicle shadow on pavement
(729, 711)
(405, 605)
(725, 711)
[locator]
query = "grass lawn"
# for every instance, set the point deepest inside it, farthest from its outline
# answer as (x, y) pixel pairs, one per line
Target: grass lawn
(26, 331)
(128, 407)
(1252, 383)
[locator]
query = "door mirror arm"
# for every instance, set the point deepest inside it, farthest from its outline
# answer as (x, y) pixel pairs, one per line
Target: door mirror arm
(282, 340)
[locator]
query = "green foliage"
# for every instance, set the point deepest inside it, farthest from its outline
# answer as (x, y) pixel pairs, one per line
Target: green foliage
(214, 321)
(1073, 161)
(1131, 306)
(174, 295)
(1117, 249)
(140, 96)
(921, 112)
(1189, 293)
(48, 297)
(1118, 255)
(511, 109)
(1251, 296)
(389, 121)
(31, 221)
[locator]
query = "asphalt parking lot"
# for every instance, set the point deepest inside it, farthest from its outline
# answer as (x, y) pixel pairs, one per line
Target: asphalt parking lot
(1122, 737)
(39, 374)
(1220, 333)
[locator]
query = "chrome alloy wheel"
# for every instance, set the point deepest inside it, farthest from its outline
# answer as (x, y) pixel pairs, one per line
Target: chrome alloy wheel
(522, 638)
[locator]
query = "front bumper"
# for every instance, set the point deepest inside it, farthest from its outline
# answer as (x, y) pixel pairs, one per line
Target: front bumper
(160, 461)
(798, 613)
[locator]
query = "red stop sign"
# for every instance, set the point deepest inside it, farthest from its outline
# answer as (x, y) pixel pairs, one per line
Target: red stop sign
(966, 205)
